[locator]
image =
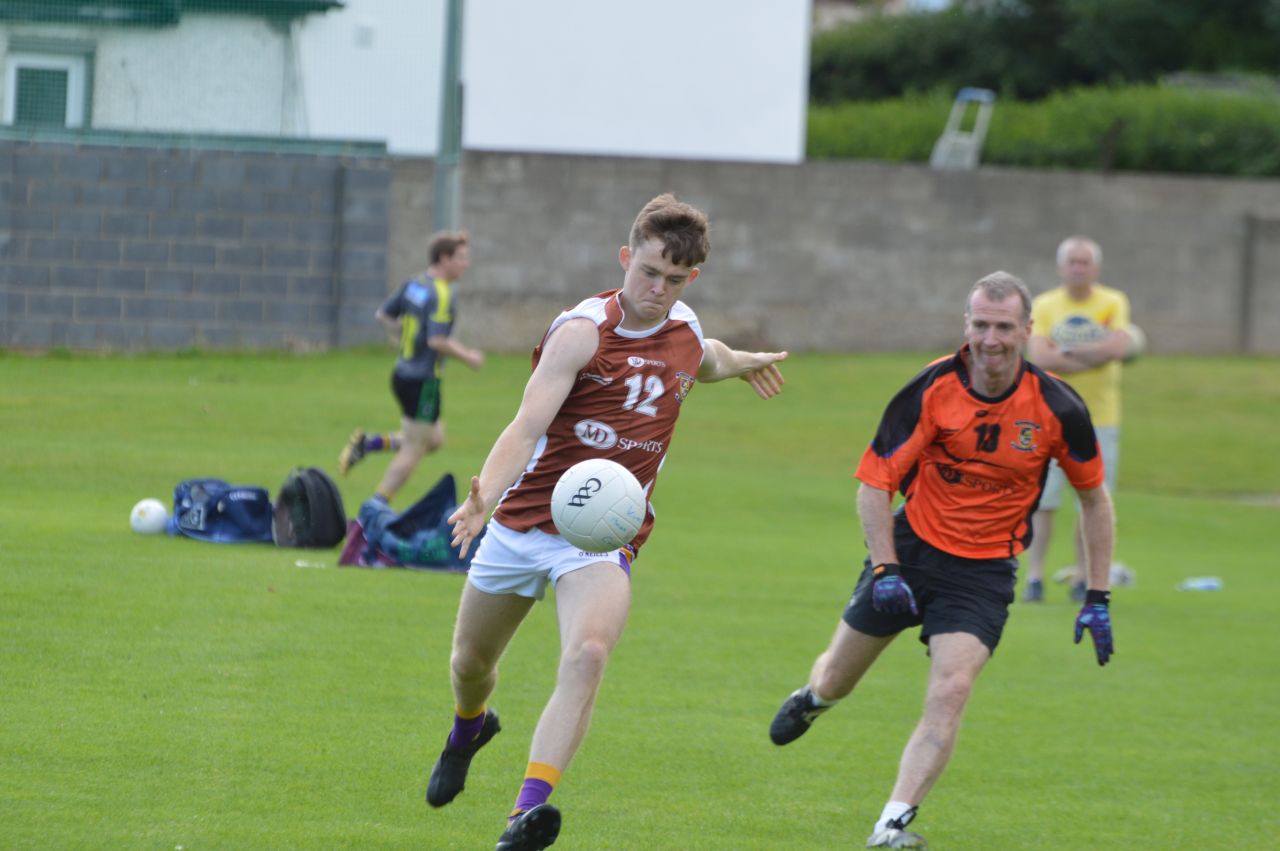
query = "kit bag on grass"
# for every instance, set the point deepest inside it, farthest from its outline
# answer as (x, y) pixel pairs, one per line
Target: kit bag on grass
(419, 538)
(212, 510)
(309, 510)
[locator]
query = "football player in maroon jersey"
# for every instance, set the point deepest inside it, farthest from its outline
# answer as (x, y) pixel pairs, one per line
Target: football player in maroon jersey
(609, 379)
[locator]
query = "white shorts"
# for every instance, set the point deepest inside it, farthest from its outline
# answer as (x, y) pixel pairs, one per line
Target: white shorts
(1109, 443)
(511, 562)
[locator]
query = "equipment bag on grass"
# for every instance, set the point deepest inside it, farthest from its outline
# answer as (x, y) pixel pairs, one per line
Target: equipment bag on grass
(212, 510)
(309, 510)
(419, 538)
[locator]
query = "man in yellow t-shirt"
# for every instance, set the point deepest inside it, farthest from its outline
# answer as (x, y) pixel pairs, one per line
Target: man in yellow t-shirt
(1079, 331)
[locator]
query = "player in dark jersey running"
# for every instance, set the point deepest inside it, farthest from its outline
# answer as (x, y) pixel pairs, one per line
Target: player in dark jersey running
(968, 443)
(609, 380)
(419, 315)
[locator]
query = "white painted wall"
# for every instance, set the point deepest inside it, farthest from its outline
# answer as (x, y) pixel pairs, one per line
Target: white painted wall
(214, 73)
(228, 74)
(372, 71)
(708, 79)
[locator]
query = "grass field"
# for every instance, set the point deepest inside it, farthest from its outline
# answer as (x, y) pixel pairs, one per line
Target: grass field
(166, 694)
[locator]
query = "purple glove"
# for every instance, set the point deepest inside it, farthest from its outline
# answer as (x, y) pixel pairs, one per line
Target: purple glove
(1096, 617)
(890, 593)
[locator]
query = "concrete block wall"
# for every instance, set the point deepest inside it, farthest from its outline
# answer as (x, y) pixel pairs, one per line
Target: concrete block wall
(860, 256)
(1260, 317)
(129, 249)
(134, 248)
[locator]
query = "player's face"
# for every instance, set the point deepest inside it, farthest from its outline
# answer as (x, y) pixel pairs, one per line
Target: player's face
(652, 284)
(996, 332)
(1079, 268)
(456, 266)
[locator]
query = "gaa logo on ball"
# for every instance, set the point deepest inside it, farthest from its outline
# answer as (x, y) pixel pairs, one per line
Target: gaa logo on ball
(598, 505)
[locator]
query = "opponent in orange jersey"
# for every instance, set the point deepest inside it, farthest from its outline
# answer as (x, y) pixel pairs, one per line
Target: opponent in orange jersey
(609, 379)
(968, 442)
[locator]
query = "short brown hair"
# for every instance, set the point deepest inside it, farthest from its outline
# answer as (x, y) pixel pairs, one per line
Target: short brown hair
(445, 244)
(682, 229)
(998, 286)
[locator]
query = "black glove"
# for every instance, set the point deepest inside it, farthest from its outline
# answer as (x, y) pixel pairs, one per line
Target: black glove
(1096, 617)
(890, 593)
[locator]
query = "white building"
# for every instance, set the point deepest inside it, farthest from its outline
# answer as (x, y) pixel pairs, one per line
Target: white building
(155, 66)
(689, 80)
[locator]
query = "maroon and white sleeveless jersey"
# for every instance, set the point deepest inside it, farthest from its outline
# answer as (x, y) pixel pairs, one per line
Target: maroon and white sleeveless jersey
(623, 407)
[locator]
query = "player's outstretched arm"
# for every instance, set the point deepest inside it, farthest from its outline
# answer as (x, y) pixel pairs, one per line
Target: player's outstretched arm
(565, 353)
(759, 369)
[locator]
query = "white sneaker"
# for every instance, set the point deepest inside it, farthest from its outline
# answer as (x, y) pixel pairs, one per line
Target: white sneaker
(893, 837)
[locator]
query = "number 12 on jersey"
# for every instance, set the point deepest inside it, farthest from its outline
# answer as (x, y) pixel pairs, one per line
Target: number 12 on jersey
(649, 384)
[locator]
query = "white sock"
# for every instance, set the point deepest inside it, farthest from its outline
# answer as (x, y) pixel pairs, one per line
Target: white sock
(819, 700)
(892, 810)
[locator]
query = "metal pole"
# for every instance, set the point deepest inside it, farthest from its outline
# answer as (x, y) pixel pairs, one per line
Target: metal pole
(1247, 283)
(449, 152)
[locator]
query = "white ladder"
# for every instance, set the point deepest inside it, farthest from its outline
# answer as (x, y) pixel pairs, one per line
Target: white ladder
(961, 149)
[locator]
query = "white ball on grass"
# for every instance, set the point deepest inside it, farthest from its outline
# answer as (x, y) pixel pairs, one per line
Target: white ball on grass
(149, 517)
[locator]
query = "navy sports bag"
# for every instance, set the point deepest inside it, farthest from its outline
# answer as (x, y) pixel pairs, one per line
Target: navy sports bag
(212, 510)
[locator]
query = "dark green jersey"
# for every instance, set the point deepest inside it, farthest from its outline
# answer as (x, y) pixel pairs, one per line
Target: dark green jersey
(425, 309)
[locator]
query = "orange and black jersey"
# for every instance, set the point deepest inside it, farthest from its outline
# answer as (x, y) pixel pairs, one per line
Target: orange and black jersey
(971, 467)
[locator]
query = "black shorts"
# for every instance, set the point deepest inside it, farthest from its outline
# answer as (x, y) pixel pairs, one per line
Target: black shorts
(953, 594)
(419, 397)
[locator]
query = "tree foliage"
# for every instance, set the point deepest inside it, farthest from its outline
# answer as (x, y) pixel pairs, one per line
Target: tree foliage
(1026, 49)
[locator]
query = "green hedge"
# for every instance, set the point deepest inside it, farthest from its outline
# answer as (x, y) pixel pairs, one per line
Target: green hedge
(1142, 128)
